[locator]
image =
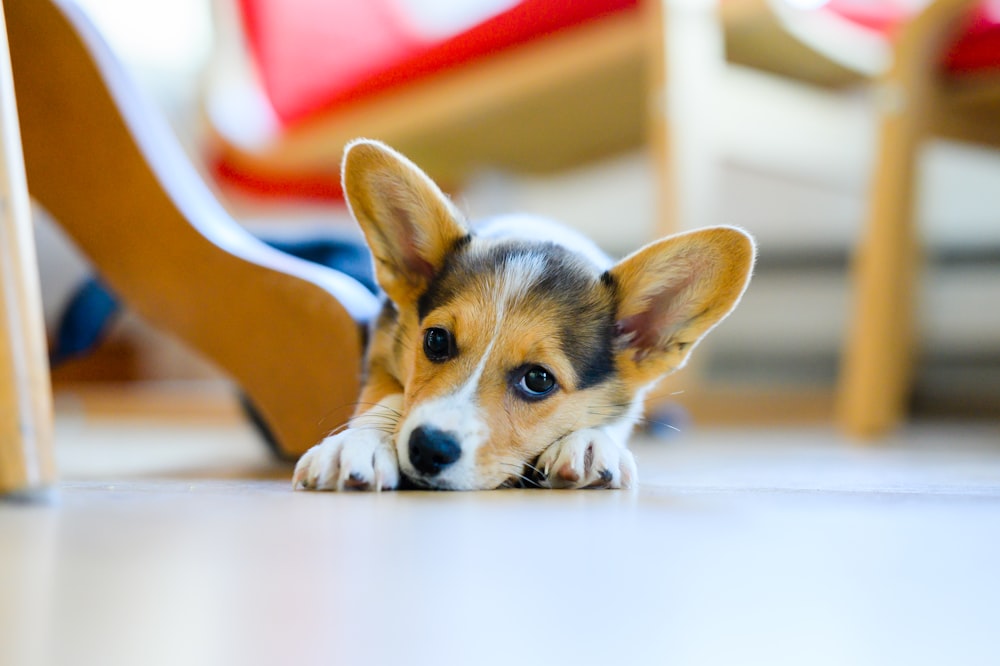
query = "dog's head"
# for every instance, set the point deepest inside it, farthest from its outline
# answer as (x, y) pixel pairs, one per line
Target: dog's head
(503, 347)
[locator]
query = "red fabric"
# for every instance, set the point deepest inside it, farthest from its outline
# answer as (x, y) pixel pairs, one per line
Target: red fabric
(307, 49)
(315, 54)
(880, 15)
(977, 49)
(305, 187)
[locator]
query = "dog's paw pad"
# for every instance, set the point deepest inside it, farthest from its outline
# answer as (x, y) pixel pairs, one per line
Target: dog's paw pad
(568, 473)
(605, 478)
(587, 459)
(354, 459)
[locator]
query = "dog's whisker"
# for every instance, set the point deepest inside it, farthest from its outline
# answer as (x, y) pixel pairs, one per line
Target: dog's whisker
(386, 420)
(382, 407)
(339, 429)
(662, 424)
(373, 427)
(337, 410)
(532, 467)
(375, 414)
(640, 419)
(518, 480)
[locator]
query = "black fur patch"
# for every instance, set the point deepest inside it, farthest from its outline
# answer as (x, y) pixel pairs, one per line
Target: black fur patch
(568, 289)
(608, 280)
(591, 349)
(443, 287)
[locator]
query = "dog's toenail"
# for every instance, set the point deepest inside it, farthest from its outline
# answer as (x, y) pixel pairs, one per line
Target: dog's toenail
(356, 482)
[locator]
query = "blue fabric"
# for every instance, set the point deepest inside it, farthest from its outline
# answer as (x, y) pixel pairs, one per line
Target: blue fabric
(85, 321)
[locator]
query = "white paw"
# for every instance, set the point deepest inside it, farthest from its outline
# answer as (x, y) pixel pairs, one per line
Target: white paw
(355, 459)
(588, 458)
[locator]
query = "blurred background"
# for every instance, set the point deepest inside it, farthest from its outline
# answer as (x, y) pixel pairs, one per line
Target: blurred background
(627, 120)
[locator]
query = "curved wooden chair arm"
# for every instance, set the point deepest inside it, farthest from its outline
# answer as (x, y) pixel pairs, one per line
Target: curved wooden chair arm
(106, 166)
(773, 36)
(804, 44)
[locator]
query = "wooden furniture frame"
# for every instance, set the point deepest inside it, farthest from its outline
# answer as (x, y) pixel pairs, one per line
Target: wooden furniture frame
(110, 171)
(26, 455)
(914, 102)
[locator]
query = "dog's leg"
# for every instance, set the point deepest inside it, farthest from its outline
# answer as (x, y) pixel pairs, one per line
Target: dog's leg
(588, 458)
(363, 456)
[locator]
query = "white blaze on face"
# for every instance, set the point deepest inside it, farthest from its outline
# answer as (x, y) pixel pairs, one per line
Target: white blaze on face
(520, 273)
(458, 413)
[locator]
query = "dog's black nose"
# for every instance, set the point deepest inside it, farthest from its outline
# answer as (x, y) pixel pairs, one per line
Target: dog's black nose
(432, 450)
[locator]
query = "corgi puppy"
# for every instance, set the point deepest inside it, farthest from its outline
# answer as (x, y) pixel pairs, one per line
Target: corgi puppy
(515, 353)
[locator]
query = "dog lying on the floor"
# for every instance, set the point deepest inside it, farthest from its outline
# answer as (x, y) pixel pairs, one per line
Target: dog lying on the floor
(516, 352)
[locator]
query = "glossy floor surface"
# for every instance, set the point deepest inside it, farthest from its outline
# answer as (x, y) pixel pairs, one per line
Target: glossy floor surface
(171, 542)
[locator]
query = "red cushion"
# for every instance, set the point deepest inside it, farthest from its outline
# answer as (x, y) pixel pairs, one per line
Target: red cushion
(881, 15)
(315, 54)
(977, 49)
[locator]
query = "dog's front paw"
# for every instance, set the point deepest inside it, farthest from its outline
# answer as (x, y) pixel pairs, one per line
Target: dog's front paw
(355, 459)
(588, 458)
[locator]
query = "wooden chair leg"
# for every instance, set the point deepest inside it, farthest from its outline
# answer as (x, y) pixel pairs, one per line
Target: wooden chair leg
(108, 169)
(878, 357)
(877, 361)
(26, 460)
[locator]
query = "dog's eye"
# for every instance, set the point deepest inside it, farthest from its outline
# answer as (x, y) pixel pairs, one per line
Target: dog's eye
(537, 382)
(438, 344)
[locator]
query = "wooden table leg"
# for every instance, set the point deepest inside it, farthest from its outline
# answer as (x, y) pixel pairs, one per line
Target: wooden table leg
(26, 460)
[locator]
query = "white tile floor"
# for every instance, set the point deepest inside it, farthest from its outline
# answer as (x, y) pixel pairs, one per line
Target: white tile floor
(757, 547)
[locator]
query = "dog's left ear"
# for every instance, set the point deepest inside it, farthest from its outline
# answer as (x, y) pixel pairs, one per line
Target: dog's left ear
(410, 225)
(674, 291)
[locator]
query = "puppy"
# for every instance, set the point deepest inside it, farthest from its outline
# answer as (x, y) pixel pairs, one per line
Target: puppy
(516, 352)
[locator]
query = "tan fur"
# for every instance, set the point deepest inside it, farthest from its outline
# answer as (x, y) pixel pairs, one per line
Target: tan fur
(384, 188)
(702, 273)
(519, 430)
(657, 303)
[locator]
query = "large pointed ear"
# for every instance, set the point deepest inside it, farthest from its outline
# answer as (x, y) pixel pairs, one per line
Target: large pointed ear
(410, 225)
(674, 291)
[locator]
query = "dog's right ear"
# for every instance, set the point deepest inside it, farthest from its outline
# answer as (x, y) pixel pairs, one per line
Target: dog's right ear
(410, 225)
